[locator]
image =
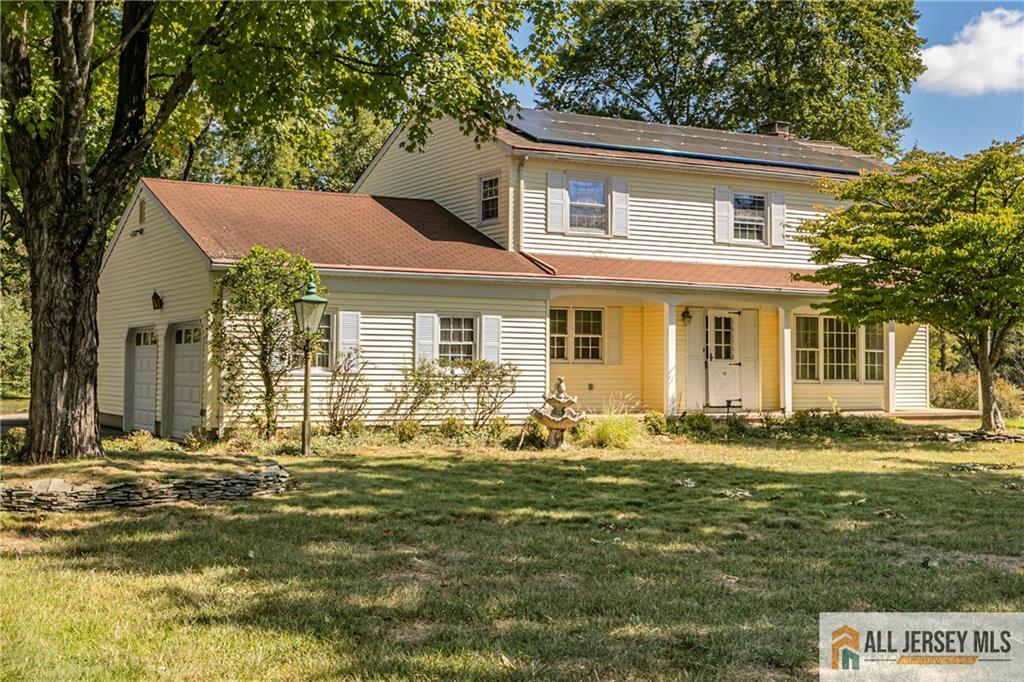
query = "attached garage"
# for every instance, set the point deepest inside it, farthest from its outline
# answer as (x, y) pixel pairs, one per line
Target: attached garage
(141, 380)
(185, 358)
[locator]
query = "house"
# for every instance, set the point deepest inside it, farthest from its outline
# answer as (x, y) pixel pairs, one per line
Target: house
(650, 265)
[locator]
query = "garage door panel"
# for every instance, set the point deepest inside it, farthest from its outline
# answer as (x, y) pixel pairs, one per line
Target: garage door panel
(186, 393)
(143, 380)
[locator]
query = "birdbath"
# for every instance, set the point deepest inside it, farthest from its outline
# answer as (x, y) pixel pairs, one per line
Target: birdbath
(558, 414)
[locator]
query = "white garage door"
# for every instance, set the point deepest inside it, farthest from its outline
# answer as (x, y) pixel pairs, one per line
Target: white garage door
(144, 381)
(186, 381)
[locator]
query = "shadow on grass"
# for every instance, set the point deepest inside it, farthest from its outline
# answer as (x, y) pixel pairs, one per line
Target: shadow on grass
(563, 567)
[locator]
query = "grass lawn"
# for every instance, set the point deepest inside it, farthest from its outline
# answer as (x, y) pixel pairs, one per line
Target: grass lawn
(390, 563)
(13, 405)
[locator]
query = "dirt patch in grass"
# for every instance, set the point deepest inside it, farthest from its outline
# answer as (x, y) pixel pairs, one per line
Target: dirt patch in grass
(933, 557)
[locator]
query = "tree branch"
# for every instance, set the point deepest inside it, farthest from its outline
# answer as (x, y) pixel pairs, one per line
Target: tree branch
(144, 20)
(17, 220)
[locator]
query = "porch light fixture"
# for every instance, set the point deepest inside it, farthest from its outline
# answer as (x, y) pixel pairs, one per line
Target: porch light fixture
(309, 310)
(686, 315)
(158, 301)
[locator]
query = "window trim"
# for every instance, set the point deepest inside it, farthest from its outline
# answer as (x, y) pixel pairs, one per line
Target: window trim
(861, 351)
(589, 177)
(766, 226)
(495, 175)
(477, 335)
(570, 336)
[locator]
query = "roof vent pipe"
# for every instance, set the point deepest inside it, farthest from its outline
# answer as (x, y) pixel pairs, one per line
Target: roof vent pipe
(776, 128)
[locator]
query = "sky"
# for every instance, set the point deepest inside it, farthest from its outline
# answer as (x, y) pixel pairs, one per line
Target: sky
(973, 90)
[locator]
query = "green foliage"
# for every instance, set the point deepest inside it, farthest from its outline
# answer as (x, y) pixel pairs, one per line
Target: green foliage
(348, 392)
(611, 431)
(12, 443)
(694, 423)
(406, 430)
(452, 428)
(15, 346)
(656, 423)
(253, 334)
(959, 391)
(496, 430)
(432, 388)
(356, 428)
(533, 435)
(835, 70)
(141, 441)
(484, 387)
(937, 240)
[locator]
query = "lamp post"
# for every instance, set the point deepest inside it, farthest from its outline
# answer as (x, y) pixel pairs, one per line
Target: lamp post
(309, 310)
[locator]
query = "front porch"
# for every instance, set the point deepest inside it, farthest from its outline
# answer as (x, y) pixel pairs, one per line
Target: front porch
(633, 351)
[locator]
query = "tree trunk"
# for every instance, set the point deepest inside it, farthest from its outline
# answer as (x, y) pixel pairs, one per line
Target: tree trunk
(991, 417)
(63, 412)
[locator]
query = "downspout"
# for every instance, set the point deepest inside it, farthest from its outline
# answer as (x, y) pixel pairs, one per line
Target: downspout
(517, 229)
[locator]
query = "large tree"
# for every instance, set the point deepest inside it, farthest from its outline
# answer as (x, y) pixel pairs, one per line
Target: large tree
(936, 240)
(835, 69)
(89, 87)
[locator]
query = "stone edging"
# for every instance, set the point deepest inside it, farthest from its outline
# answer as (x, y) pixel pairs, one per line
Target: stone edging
(56, 495)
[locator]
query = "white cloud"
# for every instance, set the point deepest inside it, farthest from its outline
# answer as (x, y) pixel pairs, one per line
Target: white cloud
(987, 55)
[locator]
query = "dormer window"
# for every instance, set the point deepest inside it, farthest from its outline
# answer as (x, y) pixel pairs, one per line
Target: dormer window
(749, 216)
(588, 206)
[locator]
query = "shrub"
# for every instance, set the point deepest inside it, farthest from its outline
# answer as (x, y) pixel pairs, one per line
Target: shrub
(141, 441)
(496, 430)
(452, 428)
(533, 435)
(959, 391)
(656, 423)
(12, 443)
(356, 427)
(694, 423)
(425, 385)
(245, 439)
(348, 392)
(484, 387)
(611, 431)
(406, 430)
(15, 346)
(196, 439)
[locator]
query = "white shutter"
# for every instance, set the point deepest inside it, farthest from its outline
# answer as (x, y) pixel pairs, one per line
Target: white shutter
(748, 357)
(778, 217)
(347, 338)
(613, 336)
(620, 207)
(558, 215)
(723, 215)
(491, 338)
(695, 369)
(426, 337)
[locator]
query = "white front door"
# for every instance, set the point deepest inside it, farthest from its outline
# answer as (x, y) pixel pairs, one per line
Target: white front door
(144, 380)
(723, 358)
(186, 380)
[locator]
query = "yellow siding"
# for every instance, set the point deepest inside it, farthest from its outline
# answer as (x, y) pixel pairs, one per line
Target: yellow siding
(912, 366)
(447, 171)
(671, 217)
(386, 339)
(163, 259)
(768, 338)
(654, 358)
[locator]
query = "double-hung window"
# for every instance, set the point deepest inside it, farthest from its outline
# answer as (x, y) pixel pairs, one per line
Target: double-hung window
(578, 329)
(322, 346)
(874, 352)
(588, 206)
(489, 192)
(806, 348)
(457, 341)
(587, 334)
(558, 334)
(839, 341)
(749, 215)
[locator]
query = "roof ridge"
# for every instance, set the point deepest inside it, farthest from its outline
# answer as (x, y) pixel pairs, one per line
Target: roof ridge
(295, 190)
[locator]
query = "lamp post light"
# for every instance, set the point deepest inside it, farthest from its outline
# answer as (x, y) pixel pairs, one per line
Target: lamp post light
(309, 310)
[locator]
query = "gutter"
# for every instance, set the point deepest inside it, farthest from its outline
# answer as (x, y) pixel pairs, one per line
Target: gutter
(547, 280)
(676, 164)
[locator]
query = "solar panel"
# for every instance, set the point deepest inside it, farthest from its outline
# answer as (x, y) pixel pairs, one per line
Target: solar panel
(684, 141)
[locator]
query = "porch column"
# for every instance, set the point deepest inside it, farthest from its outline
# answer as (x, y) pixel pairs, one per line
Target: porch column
(785, 361)
(670, 359)
(890, 366)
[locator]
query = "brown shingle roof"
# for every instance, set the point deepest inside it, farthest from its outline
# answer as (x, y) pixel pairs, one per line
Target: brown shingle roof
(674, 272)
(334, 230)
(360, 232)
